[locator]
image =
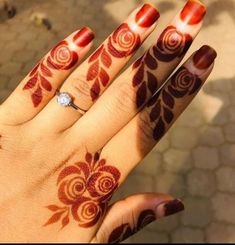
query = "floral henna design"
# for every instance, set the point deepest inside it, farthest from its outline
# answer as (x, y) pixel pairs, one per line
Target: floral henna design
(183, 83)
(171, 44)
(125, 230)
(61, 57)
(122, 43)
(84, 188)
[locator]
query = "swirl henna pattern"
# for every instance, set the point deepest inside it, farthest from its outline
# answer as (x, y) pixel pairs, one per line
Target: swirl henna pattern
(61, 57)
(182, 83)
(121, 44)
(85, 189)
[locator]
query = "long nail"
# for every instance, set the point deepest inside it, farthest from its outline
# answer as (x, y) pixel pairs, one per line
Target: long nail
(83, 37)
(169, 207)
(193, 12)
(146, 16)
(204, 57)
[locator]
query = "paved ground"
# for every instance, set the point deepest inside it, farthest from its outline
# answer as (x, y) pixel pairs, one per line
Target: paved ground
(196, 159)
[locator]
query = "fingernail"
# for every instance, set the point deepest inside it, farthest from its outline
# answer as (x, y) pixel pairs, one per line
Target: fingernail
(146, 16)
(204, 57)
(193, 12)
(83, 37)
(169, 208)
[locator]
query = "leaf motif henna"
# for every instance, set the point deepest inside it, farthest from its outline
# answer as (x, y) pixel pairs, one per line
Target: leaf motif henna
(61, 57)
(124, 231)
(182, 83)
(85, 189)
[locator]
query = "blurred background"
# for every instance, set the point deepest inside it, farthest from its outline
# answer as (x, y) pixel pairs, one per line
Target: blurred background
(195, 161)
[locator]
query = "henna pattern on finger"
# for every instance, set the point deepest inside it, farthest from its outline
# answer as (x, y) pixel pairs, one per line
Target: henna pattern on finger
(183, 83)
(124, 231)
(84, 189)
(123, 42)
(61, 57)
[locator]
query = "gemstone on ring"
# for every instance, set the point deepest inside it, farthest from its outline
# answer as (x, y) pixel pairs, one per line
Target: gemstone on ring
(64, 99)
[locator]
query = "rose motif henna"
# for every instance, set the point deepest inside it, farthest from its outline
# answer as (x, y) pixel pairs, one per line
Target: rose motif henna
(184, 82)
(171, 44)
(123, 42)
(62, 57)
(85, 189)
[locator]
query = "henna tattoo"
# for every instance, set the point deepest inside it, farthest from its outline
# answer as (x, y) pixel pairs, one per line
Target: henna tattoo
(182, 83)
(85, 189)
(146, 217)
(122, 43)
(193, 12)
(61, 57)
(171, 44)
(125, 230)
(146, 16)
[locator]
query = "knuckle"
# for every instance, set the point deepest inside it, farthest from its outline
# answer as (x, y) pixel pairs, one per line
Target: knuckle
(81, 85)
(124, 97)
(145, 127)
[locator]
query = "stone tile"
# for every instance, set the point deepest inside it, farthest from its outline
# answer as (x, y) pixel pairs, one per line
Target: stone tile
(11, 67)
(166, 224)
(190, 118)
(4, 94)
(136, 183)
(223, 205)
(171, 183)
(226, 179)
(150, 165)
(23, 55)
(212, 136)
(231, 113)
(3, 81)
(177, 160)
(201, 183)
(220, 233)
(227, 154)
(184, 138)
(197, 213)
(206, 157)
(146, 236)
(229, 131)
(187, 235)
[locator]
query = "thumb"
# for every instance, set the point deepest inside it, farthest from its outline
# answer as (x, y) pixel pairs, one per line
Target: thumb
(128, 216)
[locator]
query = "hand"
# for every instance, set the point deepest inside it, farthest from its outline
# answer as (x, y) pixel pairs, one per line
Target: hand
(63, 154)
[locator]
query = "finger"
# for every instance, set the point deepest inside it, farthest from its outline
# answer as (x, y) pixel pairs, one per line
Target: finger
(95, 74)
(130, 215)
(128, 94)
(39, 86)
(141, 134)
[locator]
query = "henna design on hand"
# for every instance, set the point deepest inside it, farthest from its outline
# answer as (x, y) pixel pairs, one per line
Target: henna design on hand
(182, 83)
(124, 231)
(61, 57)
(85, 189)
(121, 44)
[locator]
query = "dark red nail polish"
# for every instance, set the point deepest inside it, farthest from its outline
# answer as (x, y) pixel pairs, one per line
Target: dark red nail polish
(173, 207)
(83, 37)
(146, 16)
(193, 12)
(204, 57)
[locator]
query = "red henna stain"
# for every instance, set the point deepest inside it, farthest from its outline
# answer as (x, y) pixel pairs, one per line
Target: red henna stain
(83, 37)
(146, 16)
(172, 207)
(204, 57)
(126, 230)
(171, 44)
(84, 189)
(193, 12)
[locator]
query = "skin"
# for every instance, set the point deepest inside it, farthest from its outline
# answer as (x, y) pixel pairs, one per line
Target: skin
(60, 166)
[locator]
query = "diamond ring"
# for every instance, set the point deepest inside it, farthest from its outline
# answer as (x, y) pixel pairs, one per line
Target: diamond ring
(64, 99)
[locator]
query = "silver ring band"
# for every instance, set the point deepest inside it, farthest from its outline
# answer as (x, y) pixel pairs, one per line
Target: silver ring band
(65, 99)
